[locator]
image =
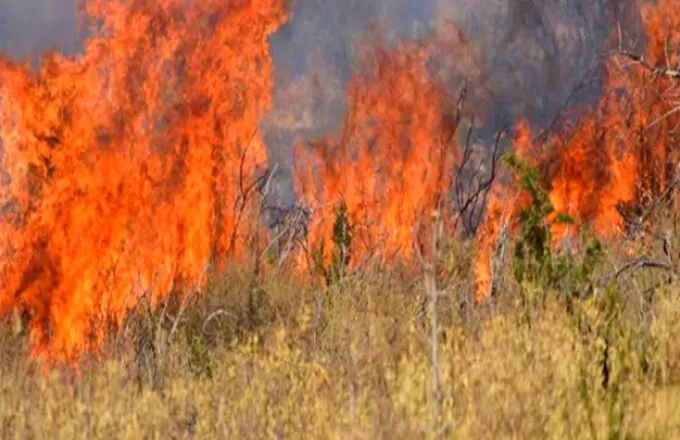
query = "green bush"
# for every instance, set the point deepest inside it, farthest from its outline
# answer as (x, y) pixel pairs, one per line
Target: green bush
(335, 270)
(537, 267)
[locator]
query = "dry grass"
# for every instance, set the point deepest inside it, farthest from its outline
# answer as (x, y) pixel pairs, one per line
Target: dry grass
(273, 358)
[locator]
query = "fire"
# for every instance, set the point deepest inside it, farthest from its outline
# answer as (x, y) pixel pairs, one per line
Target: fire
(128, 170)
(124, 169)
(613, 161)
(391, 161)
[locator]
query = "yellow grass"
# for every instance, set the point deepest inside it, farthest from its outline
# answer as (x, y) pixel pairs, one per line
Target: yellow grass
(274, 358)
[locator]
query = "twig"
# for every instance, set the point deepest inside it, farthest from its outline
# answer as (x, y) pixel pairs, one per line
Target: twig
(640, 263)
(662, 118)
(433, 294)
(656, 70)
(667, 194)
(182, 309)
(213, 315)
(481, 191)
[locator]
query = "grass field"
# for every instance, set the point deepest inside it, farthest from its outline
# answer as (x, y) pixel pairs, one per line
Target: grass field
(273, 357)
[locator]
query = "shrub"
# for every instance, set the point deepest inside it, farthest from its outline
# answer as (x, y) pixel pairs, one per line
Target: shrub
(335, 270)
(537, 267)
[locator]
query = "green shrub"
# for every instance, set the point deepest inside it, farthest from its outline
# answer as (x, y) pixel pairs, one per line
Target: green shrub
(537, 267)
(335, 270)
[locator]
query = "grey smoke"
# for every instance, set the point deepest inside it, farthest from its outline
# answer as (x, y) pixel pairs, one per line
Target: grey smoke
(536, 54)
(534, 58)
(314, 57)
(31, 27)
(532, 55)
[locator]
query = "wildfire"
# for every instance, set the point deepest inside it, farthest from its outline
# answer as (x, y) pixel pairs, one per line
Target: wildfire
(124, 168)
(392, 160)
(614, 160)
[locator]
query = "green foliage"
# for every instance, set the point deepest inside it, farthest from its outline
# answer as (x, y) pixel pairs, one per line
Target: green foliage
(597, 314)
(335, 270)
(537, 267)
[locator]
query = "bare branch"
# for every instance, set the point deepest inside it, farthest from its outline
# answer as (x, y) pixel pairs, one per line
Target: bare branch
(656, 70)
(468, 201)
(640, 263)
(433, 294)
(214, 315)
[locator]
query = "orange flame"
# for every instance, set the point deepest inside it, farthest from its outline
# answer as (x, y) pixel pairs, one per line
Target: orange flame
(391, 161)
(616, 158)
(122, 167)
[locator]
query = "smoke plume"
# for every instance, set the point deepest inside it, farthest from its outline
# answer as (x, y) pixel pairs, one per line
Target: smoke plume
(30, 27)
(521, 59)
(532, 55)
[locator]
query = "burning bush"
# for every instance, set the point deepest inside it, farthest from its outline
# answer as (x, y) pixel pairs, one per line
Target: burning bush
(392, 160)
(126, 170)
(611, 167)
(130, 170)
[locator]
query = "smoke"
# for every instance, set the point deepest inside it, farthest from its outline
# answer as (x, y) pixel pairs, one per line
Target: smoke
(534, 57)
(521, 59)
(31, 27)
(315, 54)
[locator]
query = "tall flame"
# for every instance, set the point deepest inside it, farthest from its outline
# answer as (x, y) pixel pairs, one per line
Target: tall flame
(392, 160)
(122, 168)
(613, 160)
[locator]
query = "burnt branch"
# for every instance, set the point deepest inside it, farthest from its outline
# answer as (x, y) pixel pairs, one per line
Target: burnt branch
(473, 183)
(636, 225)
(247, 191)
(641, 263)
(290, 232)
(661, 71)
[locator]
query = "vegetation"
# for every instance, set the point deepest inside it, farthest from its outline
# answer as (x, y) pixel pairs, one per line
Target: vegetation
(537, 266)
(347, 321)
(334, 270)
(261, 354)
